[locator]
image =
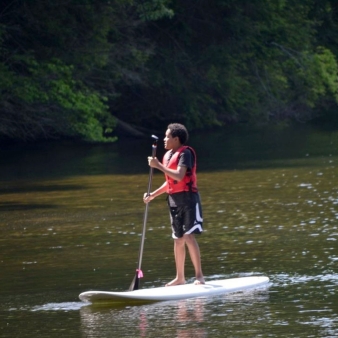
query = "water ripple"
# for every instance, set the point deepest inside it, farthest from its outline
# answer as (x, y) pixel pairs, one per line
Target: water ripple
(66, 306)
(282, 279)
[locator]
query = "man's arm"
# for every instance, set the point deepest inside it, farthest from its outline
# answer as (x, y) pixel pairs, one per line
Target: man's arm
(162, 189)
(177, 174)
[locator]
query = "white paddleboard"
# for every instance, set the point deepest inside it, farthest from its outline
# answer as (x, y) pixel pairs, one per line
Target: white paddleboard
(185, 291)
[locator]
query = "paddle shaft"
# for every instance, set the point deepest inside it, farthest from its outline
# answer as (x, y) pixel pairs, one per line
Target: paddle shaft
(145, 217)
(136, 281)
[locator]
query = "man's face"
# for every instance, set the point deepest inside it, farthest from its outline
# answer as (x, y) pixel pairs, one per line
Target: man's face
(169, 141)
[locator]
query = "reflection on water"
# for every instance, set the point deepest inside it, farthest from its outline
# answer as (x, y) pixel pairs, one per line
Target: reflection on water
(71, 219)
(185, 318)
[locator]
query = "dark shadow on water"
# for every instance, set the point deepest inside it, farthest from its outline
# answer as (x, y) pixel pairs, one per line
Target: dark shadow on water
(9, 206)
(38, 188)
(223, 149)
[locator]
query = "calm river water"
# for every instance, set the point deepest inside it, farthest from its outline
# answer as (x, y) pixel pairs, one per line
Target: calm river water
(71, 218)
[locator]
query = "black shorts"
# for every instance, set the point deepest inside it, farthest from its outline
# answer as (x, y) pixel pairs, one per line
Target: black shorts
(186, 219)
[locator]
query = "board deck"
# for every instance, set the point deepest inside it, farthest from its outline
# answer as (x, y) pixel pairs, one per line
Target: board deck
(185, 291)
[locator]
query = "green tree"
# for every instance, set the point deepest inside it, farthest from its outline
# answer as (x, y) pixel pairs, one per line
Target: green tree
(62, 63)
(73, 68)
(225, 61)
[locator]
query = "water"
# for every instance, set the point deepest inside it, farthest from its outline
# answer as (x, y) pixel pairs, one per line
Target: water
(71, 219)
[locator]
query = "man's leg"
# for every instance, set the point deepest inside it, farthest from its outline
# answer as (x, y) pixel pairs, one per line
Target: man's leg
(179, 251)
(195, 256)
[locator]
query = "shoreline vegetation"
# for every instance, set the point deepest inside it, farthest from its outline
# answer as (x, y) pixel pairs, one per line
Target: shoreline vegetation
(94, 70)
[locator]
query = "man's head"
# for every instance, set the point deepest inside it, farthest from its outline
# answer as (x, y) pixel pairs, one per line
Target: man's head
(179, 130)
(175, 136)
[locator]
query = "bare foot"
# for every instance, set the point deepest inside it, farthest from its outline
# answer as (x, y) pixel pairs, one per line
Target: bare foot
(175, 282)
(199, 281)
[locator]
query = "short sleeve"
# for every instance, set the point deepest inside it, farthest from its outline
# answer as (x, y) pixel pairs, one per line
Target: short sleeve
(186, 159)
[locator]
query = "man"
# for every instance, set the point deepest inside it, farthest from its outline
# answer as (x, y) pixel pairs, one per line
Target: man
(179, 168)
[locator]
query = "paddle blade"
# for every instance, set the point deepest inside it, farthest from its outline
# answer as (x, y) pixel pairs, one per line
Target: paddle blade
(135, 284)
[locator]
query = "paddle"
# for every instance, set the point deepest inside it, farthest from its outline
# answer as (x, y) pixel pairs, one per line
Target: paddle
(139, 274)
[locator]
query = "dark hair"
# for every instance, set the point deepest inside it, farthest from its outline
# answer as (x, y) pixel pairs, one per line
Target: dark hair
(180, 131)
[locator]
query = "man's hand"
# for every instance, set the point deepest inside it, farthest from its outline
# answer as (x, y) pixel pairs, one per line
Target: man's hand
(154, 162)
(147, 198)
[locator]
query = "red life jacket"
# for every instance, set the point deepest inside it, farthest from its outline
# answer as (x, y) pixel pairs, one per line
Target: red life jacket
(189, 181)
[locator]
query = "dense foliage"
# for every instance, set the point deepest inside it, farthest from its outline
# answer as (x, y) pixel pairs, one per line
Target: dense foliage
(73, 68)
